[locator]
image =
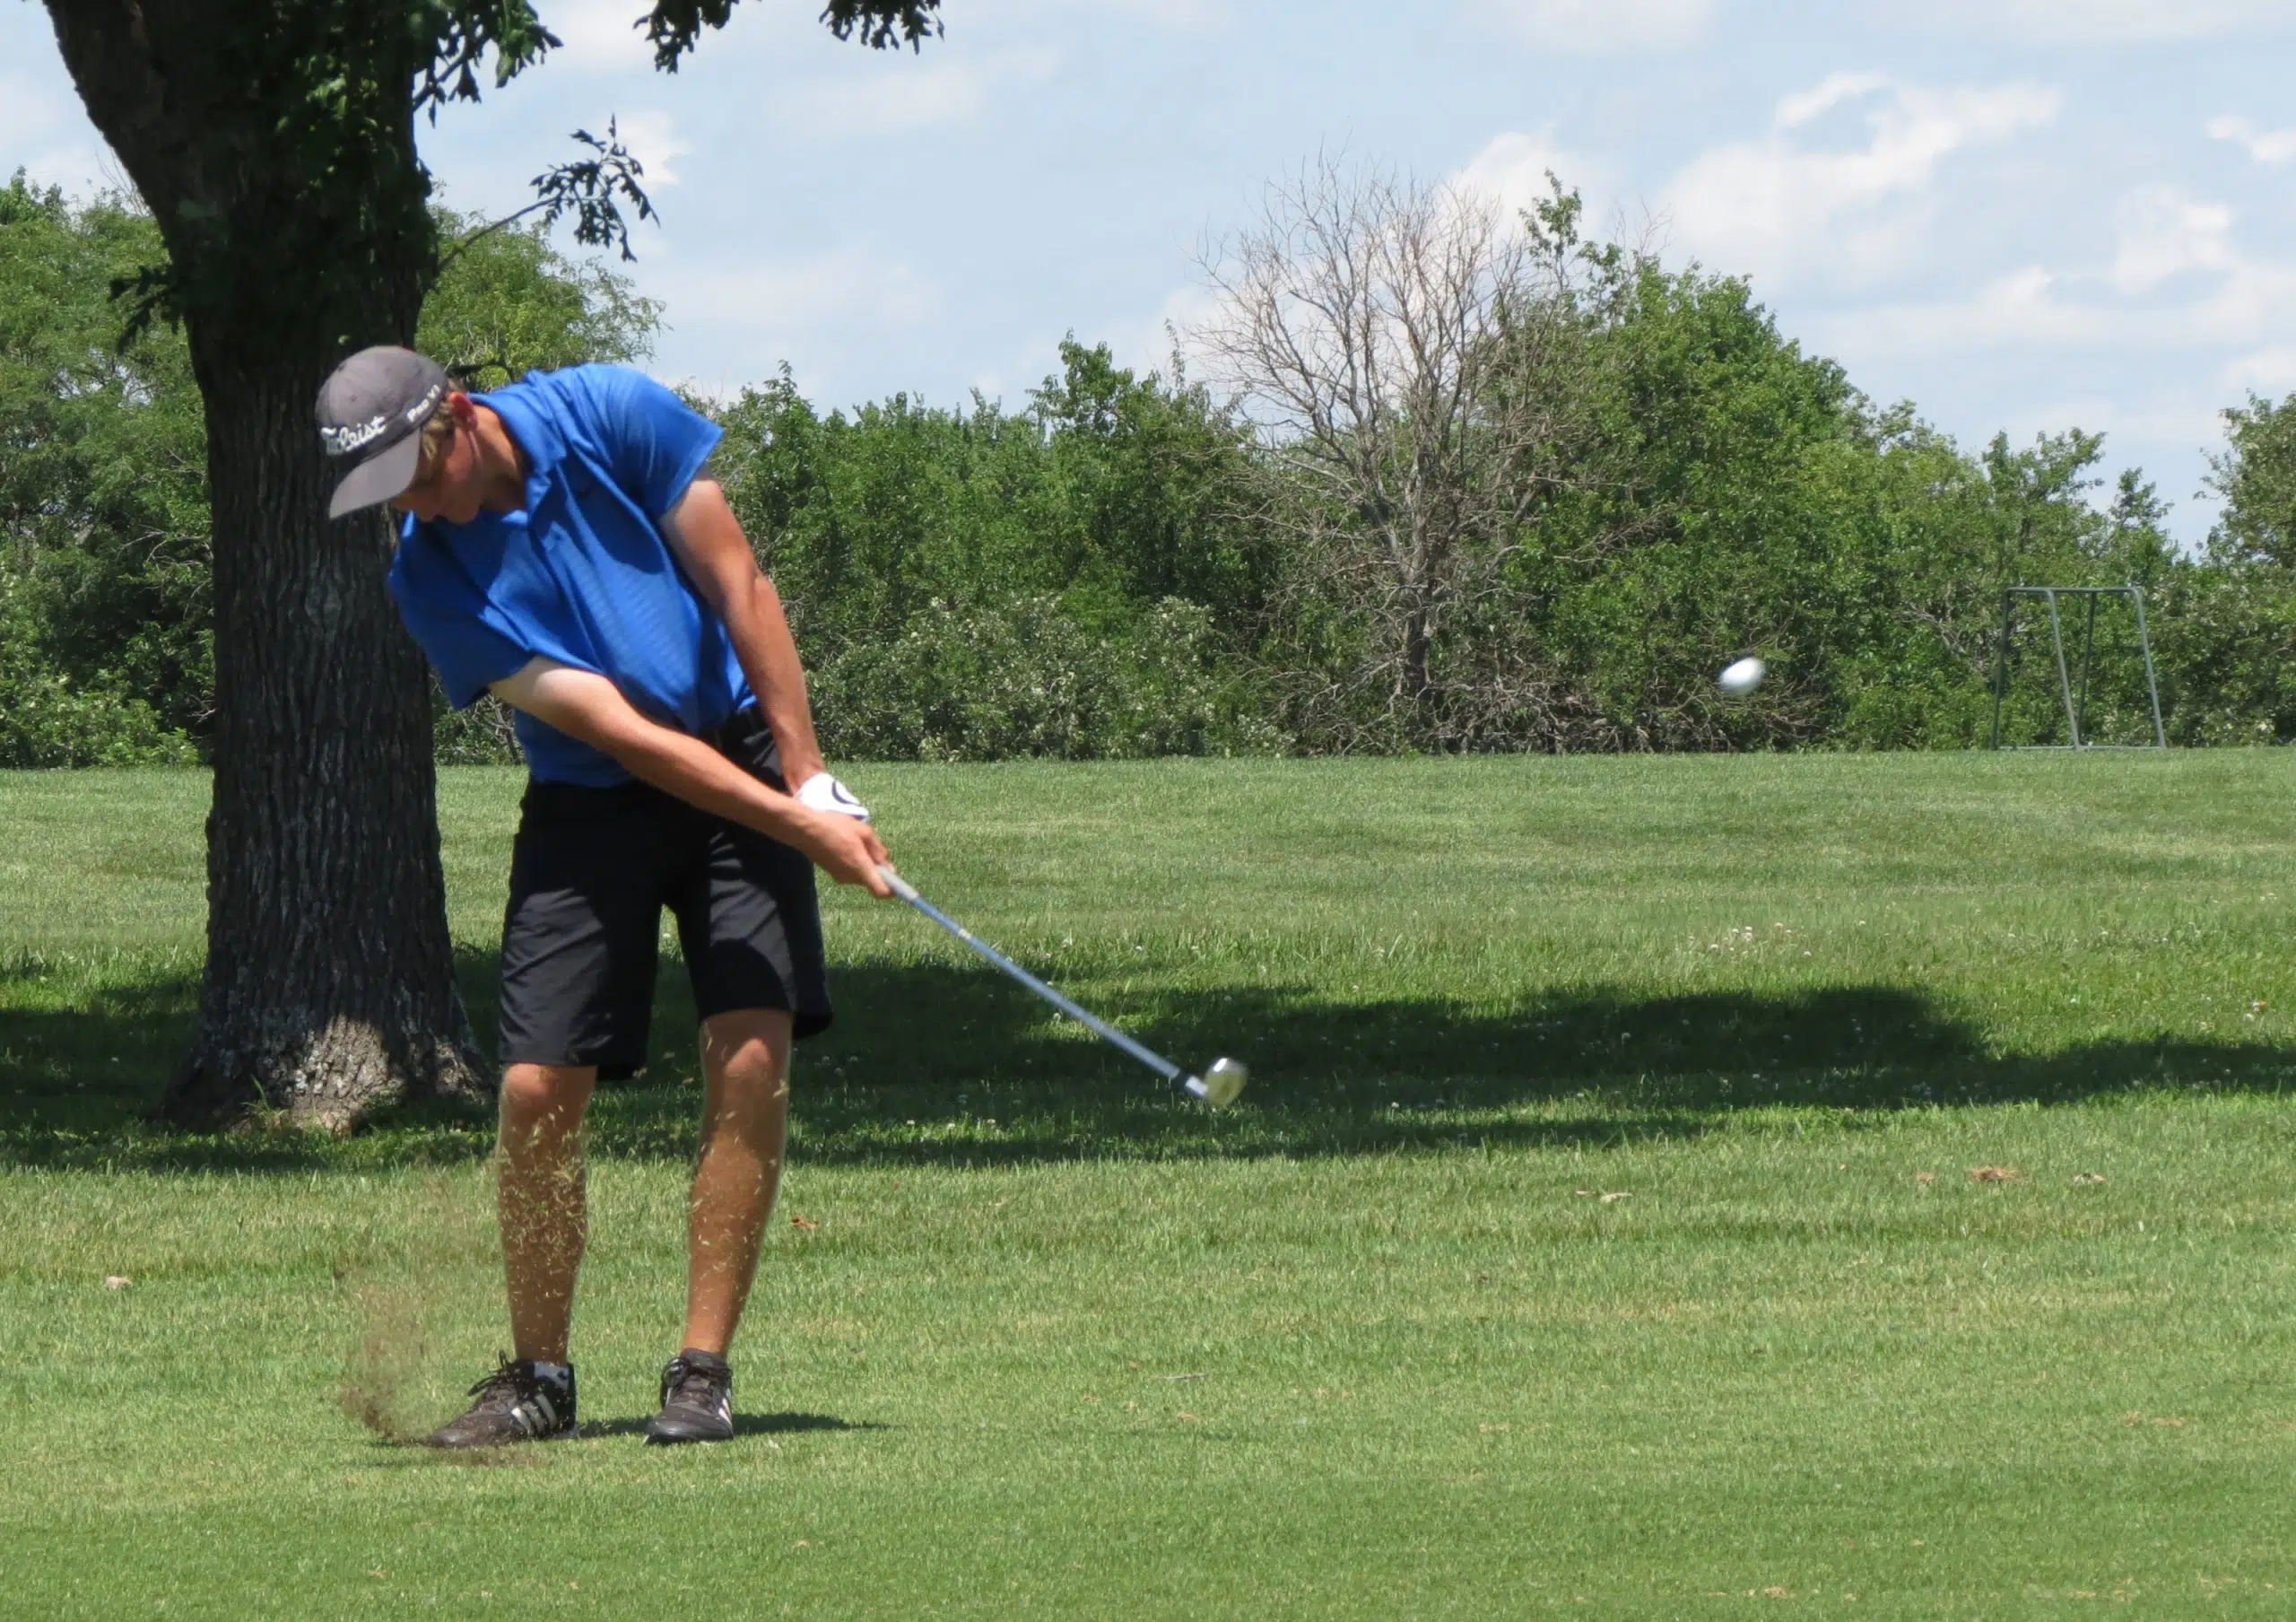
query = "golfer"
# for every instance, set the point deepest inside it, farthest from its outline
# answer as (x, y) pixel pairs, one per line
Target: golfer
(563, 545)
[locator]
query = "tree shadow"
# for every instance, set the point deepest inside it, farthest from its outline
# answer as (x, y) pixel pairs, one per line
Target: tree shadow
(943, 1064)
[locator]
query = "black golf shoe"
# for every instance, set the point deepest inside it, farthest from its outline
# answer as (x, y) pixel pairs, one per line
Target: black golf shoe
(697, 1402)
(515, 1404)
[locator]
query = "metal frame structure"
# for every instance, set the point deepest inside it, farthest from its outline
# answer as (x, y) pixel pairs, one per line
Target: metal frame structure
(2075, 715)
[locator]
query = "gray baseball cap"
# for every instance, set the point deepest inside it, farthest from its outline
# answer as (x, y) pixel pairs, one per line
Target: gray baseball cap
(370, 414)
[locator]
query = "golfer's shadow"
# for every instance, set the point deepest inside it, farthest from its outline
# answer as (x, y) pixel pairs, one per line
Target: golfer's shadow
(744, 1425)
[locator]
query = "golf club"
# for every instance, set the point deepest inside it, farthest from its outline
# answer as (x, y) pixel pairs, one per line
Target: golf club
(1217, 1087)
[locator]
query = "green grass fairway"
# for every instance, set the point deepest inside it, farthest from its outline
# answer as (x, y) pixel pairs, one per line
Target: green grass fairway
(1598, 1234)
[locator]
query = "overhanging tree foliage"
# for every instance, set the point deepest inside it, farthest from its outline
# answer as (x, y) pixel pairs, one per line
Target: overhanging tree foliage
(274, 142)
(106, 615)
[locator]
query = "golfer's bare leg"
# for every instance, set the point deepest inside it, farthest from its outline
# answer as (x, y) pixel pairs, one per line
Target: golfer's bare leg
(539, 1199)
(745, 1108)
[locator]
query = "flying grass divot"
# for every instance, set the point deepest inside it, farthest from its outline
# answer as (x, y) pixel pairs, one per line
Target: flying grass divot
(1217, 1087)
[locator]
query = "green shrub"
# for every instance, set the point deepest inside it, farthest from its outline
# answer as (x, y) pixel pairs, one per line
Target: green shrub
(479, 735)
(2224, 643)
(1023, 678)
(47, 720)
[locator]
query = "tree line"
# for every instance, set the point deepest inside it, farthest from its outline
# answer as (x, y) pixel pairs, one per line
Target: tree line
(1448, 481)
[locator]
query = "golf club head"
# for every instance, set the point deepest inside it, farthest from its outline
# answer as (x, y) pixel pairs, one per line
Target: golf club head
(1219, 1085)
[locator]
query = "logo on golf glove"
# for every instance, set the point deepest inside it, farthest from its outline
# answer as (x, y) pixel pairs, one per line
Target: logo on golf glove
(822, 792)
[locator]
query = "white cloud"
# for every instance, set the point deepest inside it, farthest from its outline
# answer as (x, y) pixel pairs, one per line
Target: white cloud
(2179, 319)
(1597, 25)
(899, 94)
(1804, 107)
(2270, 370)
(1187, 312)
(1776, 205)
(2078, 22)
(1176, 16)
(2246, 307)
(1181, 16)
(653, 140)
(780, 300)
(2266, 147)
(2021, 310)
(1512, 170)
(2164, 234)
(598, 36)
(734, 323)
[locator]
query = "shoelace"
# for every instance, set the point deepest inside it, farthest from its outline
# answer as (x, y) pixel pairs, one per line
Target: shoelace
(688, 1383)
(509, 1379)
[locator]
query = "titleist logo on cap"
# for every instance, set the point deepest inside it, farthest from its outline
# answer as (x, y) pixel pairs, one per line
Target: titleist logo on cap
(371, 415)
(343, 438)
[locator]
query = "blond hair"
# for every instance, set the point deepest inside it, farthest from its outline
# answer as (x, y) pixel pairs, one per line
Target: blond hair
(435, 431)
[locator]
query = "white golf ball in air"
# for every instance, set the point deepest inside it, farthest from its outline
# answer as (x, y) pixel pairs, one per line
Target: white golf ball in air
(1741, 678)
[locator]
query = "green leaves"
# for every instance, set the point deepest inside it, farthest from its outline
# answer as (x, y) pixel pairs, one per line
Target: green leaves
(1024, 677)
(1072, 580)
(879, 23)
(104, 559)
(291, 194)
(509, 302)
(592, 189)
(454, 36)
(673, 26)
(105, 578)
(2256, 477)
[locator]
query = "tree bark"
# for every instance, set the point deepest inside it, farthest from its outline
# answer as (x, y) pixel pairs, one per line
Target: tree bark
(328, 989)
(1417, 647)
(329, 986)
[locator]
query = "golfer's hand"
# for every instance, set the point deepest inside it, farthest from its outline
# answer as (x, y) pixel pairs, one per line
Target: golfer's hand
(849, 851)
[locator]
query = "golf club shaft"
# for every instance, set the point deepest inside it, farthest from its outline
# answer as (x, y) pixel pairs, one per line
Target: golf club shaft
(901, 888)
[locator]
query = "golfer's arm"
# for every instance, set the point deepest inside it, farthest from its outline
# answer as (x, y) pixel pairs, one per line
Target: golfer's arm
(708, 541)
(590, 709)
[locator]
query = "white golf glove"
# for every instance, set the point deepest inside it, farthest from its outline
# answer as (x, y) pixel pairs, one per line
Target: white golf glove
(822, 792)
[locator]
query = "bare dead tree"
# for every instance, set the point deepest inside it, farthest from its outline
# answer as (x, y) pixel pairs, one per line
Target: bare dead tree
(1391, 340)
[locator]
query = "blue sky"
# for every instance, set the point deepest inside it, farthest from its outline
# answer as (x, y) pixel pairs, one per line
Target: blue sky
(2023, 214)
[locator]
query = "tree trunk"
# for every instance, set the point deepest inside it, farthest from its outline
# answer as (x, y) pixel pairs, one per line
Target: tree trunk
(329, 986)
(1418, 647)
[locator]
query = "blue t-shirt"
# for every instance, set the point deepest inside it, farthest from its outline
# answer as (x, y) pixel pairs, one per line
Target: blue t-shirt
(582, 574)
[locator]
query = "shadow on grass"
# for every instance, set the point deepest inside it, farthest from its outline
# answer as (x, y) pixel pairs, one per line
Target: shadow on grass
(404, 1453)
(744, 1425)
(937, 1064)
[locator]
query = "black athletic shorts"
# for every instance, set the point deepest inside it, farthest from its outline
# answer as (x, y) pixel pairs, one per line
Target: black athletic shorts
(590, 875)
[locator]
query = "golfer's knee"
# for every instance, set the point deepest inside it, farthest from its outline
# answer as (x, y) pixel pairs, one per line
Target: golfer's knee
(545, 1100)
(757, 1070)
(752, 1088)
(748, 1051)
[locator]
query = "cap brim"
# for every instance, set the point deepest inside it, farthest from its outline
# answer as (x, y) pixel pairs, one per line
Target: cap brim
(378, 478)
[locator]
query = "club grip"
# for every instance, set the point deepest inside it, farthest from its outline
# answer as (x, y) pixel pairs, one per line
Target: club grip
(900, 886)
